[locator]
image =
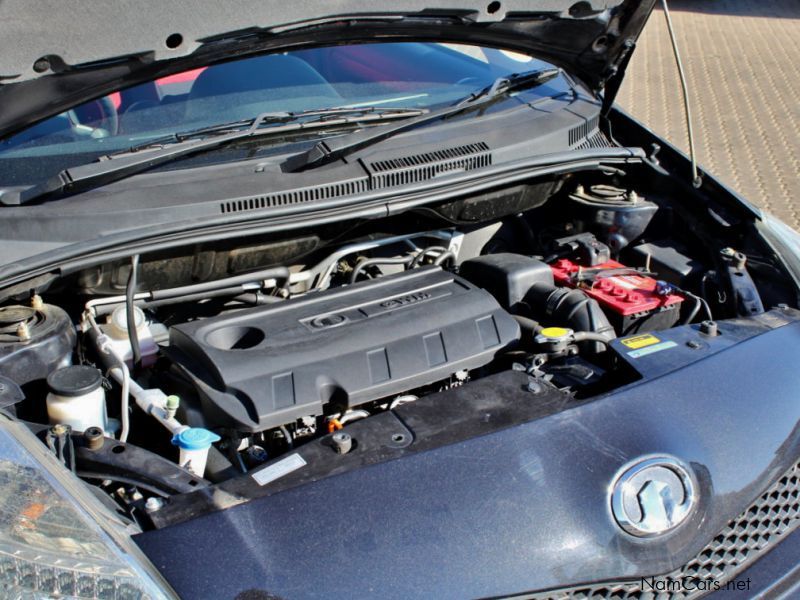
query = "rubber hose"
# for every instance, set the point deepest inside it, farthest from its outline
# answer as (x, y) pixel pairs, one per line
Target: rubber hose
(130, 292)
(572, 308)
(529, 327)
(281, 274)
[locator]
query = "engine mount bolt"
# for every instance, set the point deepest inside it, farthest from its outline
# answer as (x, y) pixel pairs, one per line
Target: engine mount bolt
(342, 442)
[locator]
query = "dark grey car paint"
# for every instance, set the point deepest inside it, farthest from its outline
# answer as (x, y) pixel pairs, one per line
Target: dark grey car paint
(519, 510)
(513, 511)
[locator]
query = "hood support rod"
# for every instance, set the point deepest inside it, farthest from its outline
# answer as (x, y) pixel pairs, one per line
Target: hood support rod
(697, 180)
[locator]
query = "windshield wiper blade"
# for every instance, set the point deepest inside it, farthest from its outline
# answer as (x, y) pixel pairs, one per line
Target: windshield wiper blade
(153, 153)
(316, 117)
(331, 150)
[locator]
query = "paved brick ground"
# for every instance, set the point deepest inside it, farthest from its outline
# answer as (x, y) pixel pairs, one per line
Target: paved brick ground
(742, 59)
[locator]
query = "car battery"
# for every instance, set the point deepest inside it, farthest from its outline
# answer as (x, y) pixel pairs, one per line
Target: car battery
(632, 301)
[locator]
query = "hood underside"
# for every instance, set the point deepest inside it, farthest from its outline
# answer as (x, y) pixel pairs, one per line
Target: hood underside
(59, 53)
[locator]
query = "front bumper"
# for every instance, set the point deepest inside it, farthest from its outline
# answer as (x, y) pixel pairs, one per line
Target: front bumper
(738, 559)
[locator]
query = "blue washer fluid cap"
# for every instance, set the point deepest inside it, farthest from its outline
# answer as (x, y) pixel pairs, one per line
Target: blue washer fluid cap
(195, 438)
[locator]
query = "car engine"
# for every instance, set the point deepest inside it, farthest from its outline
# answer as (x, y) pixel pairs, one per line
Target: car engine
(267, 366)
(169, 373)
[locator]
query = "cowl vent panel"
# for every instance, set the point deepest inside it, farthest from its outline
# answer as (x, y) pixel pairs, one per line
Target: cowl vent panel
(598, 140)
(405, 162)
(579, 133)
(422, 167)
(297, 196)
(383, 174)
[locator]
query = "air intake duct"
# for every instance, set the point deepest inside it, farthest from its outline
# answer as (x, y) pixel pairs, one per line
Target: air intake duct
(571, 308)
(525, 287)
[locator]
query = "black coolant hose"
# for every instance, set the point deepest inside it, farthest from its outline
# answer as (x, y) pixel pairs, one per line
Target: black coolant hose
(130, 292)
(590, 336)
(240, 292)
(529, 327)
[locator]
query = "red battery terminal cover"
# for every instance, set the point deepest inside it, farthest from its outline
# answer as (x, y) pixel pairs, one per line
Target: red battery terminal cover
(626, 294)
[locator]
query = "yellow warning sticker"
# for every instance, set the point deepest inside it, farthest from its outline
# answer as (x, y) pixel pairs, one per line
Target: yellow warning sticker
(640, 341)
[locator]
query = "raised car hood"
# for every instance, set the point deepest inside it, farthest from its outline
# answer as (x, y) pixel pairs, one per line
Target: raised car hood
(58, 53)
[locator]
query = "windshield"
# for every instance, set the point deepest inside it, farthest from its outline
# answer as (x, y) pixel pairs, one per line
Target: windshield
(404, 75)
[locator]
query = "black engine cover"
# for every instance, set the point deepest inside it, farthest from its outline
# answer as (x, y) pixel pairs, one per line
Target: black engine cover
(263, 367)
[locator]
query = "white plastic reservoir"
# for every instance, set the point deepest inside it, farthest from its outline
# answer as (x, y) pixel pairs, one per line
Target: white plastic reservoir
(77, 398)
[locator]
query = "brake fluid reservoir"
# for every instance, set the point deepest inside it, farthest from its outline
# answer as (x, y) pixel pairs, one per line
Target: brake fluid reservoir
(77, 398)
(117, 330)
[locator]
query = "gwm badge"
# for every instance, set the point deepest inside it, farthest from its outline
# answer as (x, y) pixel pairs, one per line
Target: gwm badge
(653, 496)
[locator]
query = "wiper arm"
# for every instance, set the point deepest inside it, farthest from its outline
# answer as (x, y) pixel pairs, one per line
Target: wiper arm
(327, 151)
(153, 153)
(315, 118)
(511, 83)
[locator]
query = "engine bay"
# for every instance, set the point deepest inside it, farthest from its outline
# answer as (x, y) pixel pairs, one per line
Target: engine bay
(224, 365)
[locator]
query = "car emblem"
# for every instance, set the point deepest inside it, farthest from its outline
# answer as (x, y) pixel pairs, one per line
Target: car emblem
(653, 496)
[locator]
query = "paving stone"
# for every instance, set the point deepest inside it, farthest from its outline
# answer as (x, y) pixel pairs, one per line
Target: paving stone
(742, 61)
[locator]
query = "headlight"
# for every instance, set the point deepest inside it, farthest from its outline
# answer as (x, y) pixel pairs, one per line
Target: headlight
(56, 539)
(784, 240)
